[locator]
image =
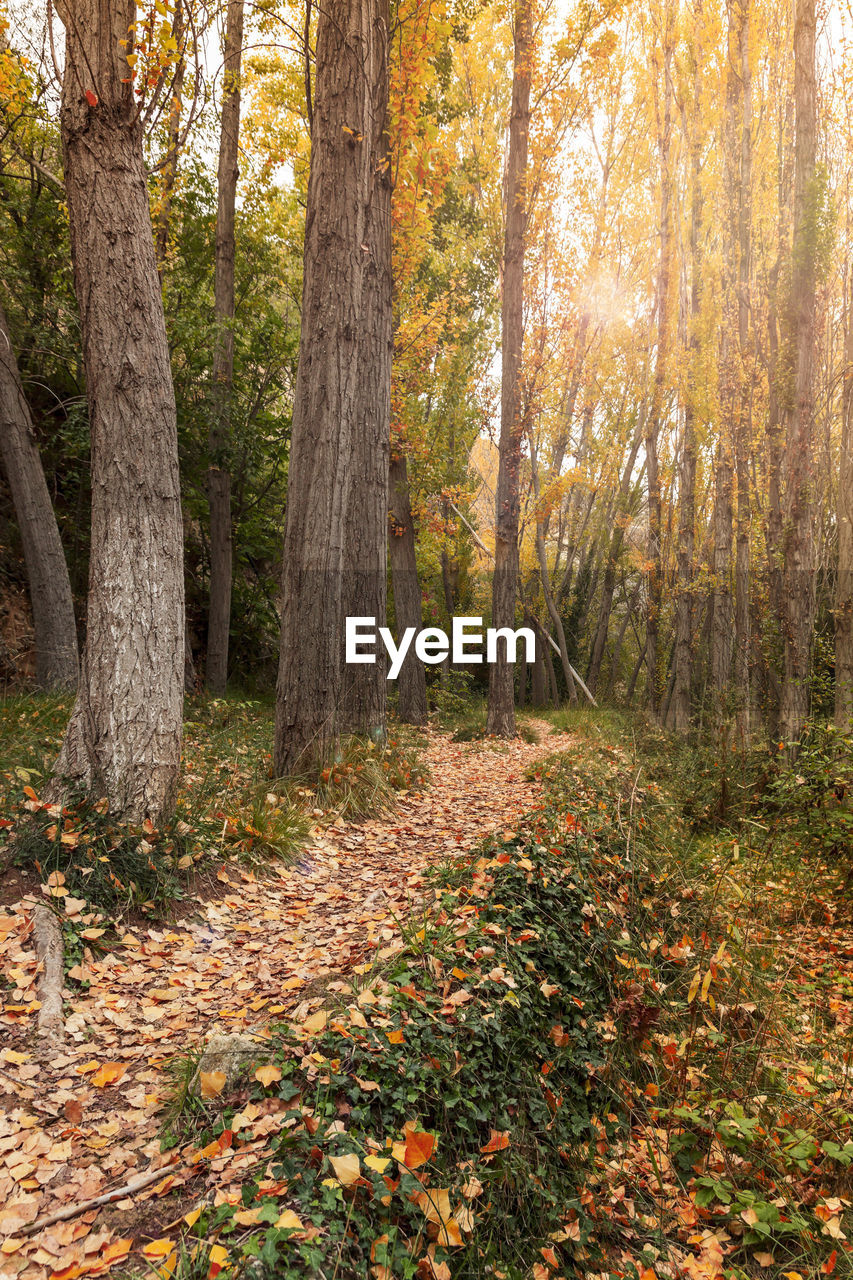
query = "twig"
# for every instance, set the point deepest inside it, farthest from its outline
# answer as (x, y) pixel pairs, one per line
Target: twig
(118, 1193)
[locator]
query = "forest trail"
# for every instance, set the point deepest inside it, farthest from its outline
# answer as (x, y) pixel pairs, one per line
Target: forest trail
(87, 1118)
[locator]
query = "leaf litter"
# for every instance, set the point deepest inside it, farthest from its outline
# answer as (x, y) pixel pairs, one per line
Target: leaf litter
(82, 1121)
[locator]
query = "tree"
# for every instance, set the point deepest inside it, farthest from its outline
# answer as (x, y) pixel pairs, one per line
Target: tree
(124, 737)
(50, 590)
(798, 569)
(844, 582)
(348, 174)
(501, 709)
(654, 418)
(219, 474)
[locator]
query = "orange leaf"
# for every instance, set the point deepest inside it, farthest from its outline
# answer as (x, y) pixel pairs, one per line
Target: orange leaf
(212, 1083)
(419, 1148)
(268, 1075)
(108, 1074)
(497, 1142)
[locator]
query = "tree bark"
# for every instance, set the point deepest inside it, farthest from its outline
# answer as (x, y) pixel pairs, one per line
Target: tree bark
(501, 709)
(124, 737)
(219, 435)
(545, 580)
(47, 572)
(798, 570)
(411, 683)
(364, 703)
(347, 176)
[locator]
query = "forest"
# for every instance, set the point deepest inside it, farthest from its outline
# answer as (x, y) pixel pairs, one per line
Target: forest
(426, 639)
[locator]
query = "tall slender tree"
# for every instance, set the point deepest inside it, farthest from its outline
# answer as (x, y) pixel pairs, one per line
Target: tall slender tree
(348, 173)
(798, 569)
(501, 706)
(124, 737)
(654, 418)
(844, 506)
(680, 702)
(219, 435)
(47, 572)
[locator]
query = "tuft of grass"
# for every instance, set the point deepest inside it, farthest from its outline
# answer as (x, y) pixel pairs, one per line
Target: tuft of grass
(184, 1115)
(363, 778)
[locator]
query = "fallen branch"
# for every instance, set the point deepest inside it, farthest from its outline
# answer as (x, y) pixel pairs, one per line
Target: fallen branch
(118, 1193)
(50, 952)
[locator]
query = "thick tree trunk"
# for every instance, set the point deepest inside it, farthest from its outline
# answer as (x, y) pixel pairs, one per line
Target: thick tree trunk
(844, 587)
(653, 422)
(47, 572)
(501, 710)
(347, 176)
(798, 571)
(219, 436)
(124, 737)
(364, 701)
(411, 683)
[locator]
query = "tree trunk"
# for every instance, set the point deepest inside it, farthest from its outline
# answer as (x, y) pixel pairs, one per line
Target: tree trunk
(124, 736)
(501, 709)
(364, 704)
(614, 550)
(411, 683)
(844, 587)
(219, 435)
(740, 146)
(653, 422)
(679, 709)
(347, 177)
(47, 571)
(798, 570)
(545, 580)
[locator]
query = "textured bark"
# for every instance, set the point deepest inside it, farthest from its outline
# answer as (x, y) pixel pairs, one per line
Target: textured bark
(653, 421)
(219, 436)
(501, 709)
(47, 571)
(365, 688)
(844, 588)
(347, 176)
(798, 570)
(411, 682)
(124, 736)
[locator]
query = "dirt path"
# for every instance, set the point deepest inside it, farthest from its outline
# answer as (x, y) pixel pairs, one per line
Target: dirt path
(78, 1122)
